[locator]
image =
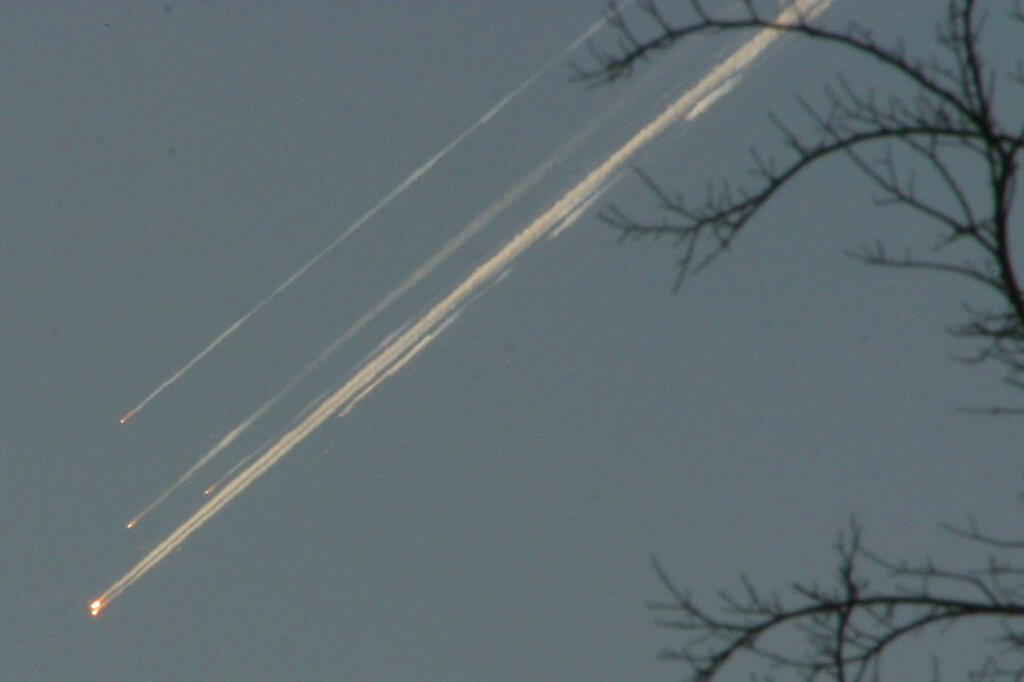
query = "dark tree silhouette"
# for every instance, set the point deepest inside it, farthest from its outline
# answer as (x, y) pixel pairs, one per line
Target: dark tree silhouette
(946, 130)
(950, 130)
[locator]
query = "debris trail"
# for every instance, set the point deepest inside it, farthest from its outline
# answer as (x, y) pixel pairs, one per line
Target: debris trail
(407, 345)
(366, 217)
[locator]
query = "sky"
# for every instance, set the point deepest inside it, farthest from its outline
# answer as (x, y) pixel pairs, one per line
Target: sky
(488, 510)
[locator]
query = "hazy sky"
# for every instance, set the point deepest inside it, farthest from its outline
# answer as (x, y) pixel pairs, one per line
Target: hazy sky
(488, 512)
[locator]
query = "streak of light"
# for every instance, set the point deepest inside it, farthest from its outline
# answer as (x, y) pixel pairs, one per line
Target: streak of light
(221, 445)
(266, 443)
(377, 208)
(470, 230)
(503, 274)
(712, 97)
(418, 336)
(576, 213)
(213, 452)
(397, 365)
(230, 472)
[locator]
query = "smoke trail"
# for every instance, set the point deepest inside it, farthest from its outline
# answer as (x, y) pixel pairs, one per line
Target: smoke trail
(569, 219)
(410, 343)
(366, 217)
(471, 229)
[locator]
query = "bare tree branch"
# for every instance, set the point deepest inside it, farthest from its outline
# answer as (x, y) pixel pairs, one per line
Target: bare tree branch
(850, 627)
(941, 133)
(937, 149)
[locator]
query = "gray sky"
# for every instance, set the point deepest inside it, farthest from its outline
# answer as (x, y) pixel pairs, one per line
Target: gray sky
(488, 512)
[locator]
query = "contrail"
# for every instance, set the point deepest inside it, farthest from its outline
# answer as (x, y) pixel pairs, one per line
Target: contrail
(712, 97)
(266, 443)
(213, 452)
(471, 229)
(221, 445)
(411, 342)
(570, 218)
(380, 205)
(231, 472)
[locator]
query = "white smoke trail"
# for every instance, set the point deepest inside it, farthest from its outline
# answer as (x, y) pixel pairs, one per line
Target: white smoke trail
(410, 343)
(202, 461)
(567, 221)
(471, 229)
(712, 97)
(366, 217)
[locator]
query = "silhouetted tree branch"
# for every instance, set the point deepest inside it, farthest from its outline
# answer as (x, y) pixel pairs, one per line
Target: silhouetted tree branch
(942, 130)
(849, 627)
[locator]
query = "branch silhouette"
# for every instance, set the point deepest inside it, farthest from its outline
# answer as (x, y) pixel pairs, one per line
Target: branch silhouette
(942, 127)
(940, 149)
(848, 627)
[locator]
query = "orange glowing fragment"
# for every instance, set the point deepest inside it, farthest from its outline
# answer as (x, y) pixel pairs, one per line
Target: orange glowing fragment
(94, 608)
